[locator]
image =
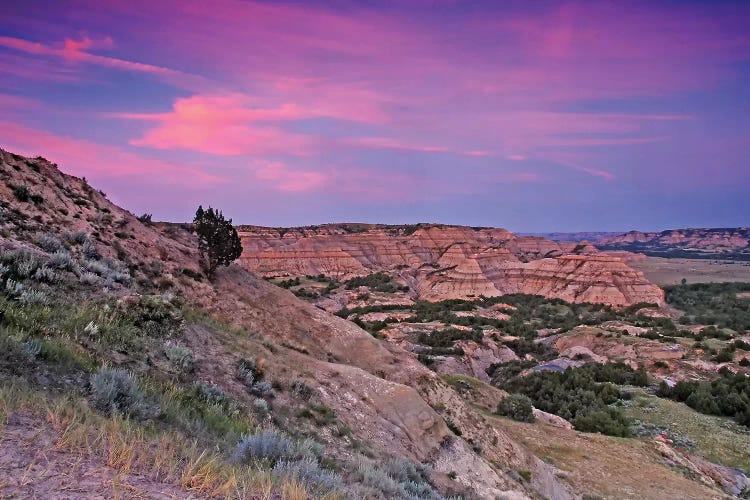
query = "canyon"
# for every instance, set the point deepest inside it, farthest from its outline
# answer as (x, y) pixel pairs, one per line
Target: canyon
(439, 262)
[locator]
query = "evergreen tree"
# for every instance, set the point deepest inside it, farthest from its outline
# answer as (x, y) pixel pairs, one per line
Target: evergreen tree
(218, 242)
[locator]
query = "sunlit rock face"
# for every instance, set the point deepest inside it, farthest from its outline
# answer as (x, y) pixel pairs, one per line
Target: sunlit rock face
(448, 262)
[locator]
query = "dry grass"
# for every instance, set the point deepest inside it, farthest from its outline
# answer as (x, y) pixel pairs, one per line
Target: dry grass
(719, 439)
(122, 445)
(605, 466)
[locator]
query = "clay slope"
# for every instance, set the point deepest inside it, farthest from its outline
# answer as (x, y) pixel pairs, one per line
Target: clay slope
(444, 262)
(389, 400)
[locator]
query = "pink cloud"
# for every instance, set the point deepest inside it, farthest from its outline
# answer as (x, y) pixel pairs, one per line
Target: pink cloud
(527, 177)
(575, 161)
(74, 51)
(85, 158)
(19, 66)
(237, 123)
(223, 125)
(283, 179)
(645, 31)
(12, 103)
(393, 143)
(73, 48)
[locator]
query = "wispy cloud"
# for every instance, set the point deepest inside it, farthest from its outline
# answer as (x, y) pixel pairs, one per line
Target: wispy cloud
(86, 158)
(75, 51)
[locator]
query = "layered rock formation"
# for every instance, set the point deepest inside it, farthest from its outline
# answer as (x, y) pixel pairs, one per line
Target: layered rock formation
(444, 262)
(709, 242)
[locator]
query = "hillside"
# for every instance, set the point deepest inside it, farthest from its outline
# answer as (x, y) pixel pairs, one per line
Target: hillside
(448, 262)
(363, 398)
(126, 372)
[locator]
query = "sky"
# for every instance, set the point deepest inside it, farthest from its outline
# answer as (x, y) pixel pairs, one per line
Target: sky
(530, 115)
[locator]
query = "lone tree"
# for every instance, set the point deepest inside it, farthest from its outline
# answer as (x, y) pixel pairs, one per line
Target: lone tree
(218, 242)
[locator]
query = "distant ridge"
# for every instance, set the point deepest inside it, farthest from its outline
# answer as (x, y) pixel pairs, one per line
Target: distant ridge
(727, 243)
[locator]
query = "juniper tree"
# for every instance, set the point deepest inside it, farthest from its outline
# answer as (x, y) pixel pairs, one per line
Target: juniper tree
(218, 242)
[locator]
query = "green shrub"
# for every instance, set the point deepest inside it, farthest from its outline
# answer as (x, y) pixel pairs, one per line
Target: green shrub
(518, 407)
(145, 219)
(398, 478)
(308, 472)
(377, 282)
(180, 357)
(609, 421)
(218, 242)
(269, 446)
(453, 427)
(155, 316)
(88, 278)
(33, 298)
(712, 304)
(192, 274)
(447, 337)
(76, 237)
(89, 250)
(728, 395)
(260, 407)
(61, 260)
(724, 356)
(116, 392)
(21, 193)
(578, 393)
(45, 274)
(48, 242)
(302, 390)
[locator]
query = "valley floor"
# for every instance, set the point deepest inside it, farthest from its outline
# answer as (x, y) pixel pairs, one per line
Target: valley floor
(663, 271)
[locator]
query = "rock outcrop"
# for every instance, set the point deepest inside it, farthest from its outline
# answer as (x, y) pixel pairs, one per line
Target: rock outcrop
(444, 262)
(552, 419)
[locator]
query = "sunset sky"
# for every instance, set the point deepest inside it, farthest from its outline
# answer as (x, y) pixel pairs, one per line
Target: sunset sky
(530, 115)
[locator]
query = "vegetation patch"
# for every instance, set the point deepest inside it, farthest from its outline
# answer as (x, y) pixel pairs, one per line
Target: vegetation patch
(585, 396)
(728, 395)
(712, 304)
(377, 282)
(719, 439)
(518, 407)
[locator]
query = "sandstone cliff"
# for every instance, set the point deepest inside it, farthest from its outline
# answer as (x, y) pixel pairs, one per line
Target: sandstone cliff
(444, 262)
